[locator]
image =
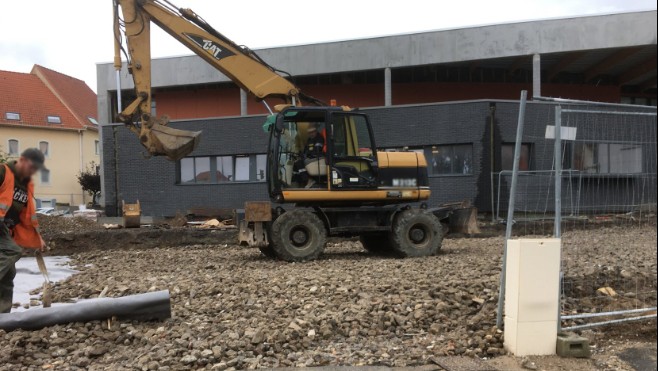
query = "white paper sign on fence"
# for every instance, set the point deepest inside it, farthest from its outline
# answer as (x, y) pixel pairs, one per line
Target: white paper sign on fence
(568, 133)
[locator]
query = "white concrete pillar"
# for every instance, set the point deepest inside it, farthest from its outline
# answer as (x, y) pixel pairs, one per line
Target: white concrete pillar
(388, 87)
(536, 75)
(243, 103)
(532, 290)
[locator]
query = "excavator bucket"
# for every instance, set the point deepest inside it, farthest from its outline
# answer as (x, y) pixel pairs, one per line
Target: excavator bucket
(460, 217)
(170, 142)
(464, 220)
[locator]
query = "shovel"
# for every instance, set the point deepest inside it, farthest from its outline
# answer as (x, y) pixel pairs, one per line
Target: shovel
(46, 296)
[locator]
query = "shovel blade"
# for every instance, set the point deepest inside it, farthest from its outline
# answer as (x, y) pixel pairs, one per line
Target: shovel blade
(46, 296)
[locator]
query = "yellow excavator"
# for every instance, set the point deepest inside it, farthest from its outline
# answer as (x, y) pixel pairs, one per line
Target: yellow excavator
(321, 159)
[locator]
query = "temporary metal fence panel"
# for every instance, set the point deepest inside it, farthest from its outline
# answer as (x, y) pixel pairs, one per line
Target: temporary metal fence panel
(589, 177)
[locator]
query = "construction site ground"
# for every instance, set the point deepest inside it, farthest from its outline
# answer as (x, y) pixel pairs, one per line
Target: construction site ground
(235, 309)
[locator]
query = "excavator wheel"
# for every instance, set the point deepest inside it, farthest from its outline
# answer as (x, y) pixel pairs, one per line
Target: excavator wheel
(298, 235)
(378, 244)
(267, 251)
(416, 233)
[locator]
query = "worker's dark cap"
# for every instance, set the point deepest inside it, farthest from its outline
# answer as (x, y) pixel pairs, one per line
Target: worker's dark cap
(36, 156)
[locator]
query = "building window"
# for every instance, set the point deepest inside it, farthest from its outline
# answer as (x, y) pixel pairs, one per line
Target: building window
(44, 147)
(225, 169)
(195, 170)
(153, 108)
(54, 119)
(97, 147)
(446, 159)
(13, 116)
(261, 165)
(451, 159)
(45, 176)
(222, 169)
(507, 157)
(604, 158)
(12, 148)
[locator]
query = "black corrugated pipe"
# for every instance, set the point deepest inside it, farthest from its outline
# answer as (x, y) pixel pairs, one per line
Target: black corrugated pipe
(143, 307)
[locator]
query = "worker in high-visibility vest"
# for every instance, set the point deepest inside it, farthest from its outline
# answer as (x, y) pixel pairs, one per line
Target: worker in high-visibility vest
(19, 227)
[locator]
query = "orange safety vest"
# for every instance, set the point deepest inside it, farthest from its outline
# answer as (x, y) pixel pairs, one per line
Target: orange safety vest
(26, 233)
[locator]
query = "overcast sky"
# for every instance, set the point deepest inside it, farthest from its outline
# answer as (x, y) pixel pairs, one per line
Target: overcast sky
(71, 36)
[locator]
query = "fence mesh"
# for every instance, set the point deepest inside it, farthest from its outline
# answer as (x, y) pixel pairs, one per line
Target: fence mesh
(608, 206)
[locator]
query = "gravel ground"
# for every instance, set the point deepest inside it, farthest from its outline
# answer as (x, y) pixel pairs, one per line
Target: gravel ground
(233, 308)
(59, 225)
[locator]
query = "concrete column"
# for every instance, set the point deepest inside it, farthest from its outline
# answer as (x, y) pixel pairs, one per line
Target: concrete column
(536, 75)
(243, 103)
(388, 87)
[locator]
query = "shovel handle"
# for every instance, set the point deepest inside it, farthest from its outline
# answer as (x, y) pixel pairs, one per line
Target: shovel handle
(42, 266)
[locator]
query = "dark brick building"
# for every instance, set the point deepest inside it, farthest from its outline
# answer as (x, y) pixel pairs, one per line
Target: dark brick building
(445, 128)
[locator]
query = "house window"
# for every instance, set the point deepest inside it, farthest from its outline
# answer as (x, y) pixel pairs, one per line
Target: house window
(92, 120)
(44, 147)
(153, 108)
(97, 147)
(13, 147)
(222, 169)
(13, 116)
(445, 159)
(605, 158)
(507, 156)
(45, 176)
(54, 119)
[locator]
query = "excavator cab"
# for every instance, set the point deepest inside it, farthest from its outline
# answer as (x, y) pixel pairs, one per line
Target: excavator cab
(314, 150)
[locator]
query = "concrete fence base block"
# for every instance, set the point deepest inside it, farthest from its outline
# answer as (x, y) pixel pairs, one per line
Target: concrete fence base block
(573, 346)
(532, 292)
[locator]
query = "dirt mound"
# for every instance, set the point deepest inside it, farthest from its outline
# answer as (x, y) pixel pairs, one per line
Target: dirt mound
(138, 238)
(58, 225)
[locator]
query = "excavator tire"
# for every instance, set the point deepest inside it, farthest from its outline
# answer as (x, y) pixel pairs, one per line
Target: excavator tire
(267, 251)
(298, 235)
(378, 244)
(416, 233)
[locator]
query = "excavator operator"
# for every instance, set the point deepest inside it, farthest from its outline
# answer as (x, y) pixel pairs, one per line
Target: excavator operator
(314, 143)
(312, 152)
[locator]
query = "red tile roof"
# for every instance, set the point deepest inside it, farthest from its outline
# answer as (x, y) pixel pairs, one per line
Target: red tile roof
(43, 93)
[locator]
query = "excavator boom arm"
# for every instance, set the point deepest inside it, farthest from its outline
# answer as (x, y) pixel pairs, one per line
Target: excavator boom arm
(240, 64)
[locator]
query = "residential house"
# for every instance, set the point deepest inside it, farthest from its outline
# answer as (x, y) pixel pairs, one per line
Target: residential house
(57, 114)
